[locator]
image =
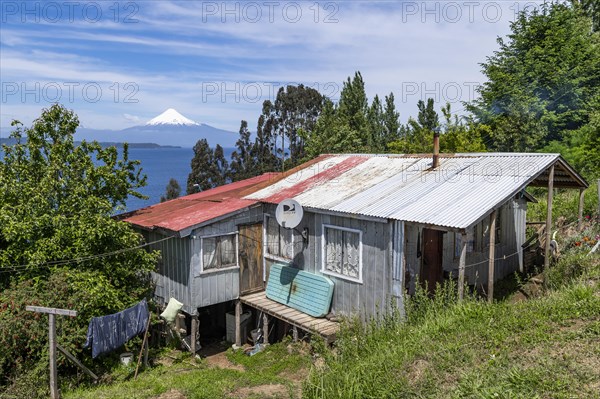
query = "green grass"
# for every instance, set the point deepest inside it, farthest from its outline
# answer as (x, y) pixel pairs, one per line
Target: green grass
(196, 380)
(547, 347)
(565, 203)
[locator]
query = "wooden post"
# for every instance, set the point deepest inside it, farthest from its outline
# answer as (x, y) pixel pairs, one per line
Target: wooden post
(146, 349)
(52, 351)
(549, 217)
(491, 267)
(598, 200)
(265, 329)
(77, 362)
(137, 367)
(54, 393)
(194, 336)
(295, 333)
(238, 323)
(580, 209)
(461, 266)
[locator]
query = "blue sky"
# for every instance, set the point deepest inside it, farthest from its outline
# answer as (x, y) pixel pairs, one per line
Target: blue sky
(118, 64)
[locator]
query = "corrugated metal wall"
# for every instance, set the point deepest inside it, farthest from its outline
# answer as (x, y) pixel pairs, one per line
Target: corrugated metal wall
(222, 285)
(508, 247)
(374, 294)
(173, 276)
(178, 276)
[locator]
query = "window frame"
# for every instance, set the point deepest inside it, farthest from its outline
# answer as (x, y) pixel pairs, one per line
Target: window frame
(324, 254)
(266, 254)
(219, 269)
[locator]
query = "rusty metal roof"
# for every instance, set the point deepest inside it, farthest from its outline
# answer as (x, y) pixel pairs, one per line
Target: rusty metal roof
(457, 194)
(183, 214)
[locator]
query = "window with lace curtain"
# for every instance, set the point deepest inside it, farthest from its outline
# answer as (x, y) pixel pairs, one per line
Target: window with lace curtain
(342, 249)
(280, 242)
(219, 252)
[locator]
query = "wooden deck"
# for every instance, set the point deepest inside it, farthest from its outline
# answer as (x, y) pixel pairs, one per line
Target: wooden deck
(326, 328)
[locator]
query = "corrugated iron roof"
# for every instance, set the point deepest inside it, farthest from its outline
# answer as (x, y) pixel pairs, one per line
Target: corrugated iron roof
(457, 194)
(185, 213)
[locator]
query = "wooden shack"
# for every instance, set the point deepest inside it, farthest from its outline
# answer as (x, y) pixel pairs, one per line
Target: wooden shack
(375, 225)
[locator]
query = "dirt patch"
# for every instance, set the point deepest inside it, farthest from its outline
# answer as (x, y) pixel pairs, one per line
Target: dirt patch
(417, 370)
(168, 359)
(172, 394)
(295, 377)
(220, 360)
(215, 356)
(262, 391)
(533, 288)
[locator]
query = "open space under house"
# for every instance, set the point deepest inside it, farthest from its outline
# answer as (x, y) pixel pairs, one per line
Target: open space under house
(373, 227)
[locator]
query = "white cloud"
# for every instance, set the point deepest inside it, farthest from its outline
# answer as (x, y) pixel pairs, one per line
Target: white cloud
(183, 56)
(132, 118)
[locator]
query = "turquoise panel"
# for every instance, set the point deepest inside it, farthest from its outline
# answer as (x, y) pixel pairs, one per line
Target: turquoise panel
(307, 292)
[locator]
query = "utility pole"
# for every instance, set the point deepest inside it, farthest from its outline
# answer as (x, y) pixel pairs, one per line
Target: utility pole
(54, 394)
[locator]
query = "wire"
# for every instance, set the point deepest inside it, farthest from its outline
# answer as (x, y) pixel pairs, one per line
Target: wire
(31, 266)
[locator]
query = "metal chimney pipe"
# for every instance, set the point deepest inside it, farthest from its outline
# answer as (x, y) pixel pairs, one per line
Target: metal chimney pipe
(436, 149)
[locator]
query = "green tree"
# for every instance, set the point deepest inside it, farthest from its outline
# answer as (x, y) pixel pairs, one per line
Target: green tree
(459, 136)
(57, 201)
(242, 164)
(349, 126)
(220, 167)
(201, 176)
(590, 8)
(391, 120)
(544, 80)
(264, 150)
(418, 134)
(296, 108)
(353, 104)
(172, 191)
(376, 127)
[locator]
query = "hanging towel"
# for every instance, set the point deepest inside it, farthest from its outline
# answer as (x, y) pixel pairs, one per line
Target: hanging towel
(108, 333)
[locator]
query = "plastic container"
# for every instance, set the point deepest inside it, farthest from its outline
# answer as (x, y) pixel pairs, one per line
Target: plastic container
(230, 324)
(254, 334)
(126, 358)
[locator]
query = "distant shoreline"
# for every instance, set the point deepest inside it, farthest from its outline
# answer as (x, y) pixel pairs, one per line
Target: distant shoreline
(10, 141)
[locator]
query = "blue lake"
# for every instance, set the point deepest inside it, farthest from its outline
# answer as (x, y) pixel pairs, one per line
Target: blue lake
(160, 164)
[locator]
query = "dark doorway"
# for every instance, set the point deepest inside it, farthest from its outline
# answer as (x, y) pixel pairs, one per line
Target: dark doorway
(250, 258)
(432, 270)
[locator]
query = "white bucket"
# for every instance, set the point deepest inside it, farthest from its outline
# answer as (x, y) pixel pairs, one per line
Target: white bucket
(126, 358)
(254, 334)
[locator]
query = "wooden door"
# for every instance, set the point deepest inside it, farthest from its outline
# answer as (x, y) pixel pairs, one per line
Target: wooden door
(432, 270)
(250, 258)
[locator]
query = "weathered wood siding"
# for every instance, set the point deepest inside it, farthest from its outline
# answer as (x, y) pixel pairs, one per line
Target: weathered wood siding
(172, 278)
(508, 247)
(178, 272)
(368, 298)
(212, 287)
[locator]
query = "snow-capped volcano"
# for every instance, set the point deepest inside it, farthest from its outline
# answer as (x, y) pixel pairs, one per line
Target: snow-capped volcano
(169, 128)
(171, 117)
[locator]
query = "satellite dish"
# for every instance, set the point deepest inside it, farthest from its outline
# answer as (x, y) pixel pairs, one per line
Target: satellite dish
(289, 213)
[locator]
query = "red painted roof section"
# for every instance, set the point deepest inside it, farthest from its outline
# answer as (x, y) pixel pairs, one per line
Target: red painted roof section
(191, 210)
(322, 177)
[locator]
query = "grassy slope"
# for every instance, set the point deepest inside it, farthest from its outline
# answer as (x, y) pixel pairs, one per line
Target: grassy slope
(547, 347)
(196, 381)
